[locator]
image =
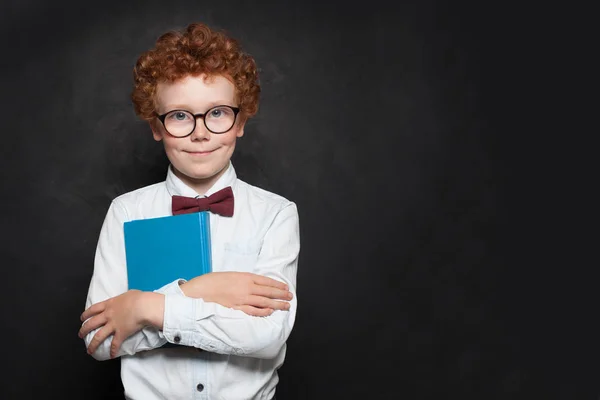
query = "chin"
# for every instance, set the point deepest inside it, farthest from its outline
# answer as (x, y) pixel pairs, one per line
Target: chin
(200, 174)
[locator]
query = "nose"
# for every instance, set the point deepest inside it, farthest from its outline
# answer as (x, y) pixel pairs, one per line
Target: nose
(200, 132)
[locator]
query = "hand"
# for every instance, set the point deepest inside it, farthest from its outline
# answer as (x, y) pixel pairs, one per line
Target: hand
(121, 316)
(253, 294)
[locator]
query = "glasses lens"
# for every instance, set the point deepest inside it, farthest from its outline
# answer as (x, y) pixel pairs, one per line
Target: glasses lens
(219, 119)
(179, 123)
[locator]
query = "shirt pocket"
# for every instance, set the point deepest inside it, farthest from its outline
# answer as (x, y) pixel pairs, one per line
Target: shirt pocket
(241, 256)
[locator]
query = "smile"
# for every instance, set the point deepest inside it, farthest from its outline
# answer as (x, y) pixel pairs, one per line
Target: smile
(199, 153)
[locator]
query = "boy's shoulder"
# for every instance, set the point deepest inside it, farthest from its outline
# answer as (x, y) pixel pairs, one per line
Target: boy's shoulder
(144, 201)
(254, 196)
(259, 193)
(141, 193)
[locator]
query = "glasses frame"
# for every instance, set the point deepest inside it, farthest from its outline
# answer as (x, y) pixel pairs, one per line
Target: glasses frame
(235, 110)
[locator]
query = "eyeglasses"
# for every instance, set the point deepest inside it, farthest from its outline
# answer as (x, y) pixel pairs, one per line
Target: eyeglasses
(181, 123)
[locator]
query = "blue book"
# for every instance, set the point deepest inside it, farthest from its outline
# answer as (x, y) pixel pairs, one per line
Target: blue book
(161, 250)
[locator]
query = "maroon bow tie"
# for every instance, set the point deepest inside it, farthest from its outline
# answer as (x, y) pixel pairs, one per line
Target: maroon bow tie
(220, 202)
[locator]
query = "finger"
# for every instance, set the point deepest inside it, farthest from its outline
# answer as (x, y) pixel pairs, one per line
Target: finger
(280, 305)
(264, 302)
(91, 324)
(266, 281)
(93, 310)
(98, 338)
(254, 311)
(271, 292)
(115, 345)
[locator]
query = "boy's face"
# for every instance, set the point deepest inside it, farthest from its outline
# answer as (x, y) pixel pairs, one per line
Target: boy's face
(201, 158)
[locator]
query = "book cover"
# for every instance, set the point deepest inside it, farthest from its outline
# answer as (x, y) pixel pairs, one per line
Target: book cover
(161, 250)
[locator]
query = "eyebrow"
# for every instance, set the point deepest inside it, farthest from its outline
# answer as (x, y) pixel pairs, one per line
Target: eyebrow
(208, 106)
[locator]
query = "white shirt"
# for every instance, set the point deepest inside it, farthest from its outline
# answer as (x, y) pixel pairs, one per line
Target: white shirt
(241, 353)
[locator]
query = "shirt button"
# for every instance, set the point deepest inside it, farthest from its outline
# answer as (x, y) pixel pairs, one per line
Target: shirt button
(177, 339)
(200, 387)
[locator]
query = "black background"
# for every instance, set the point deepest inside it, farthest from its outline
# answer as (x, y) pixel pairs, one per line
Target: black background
(430, 266)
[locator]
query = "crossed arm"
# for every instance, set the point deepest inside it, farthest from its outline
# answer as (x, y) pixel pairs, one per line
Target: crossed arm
(219, 311)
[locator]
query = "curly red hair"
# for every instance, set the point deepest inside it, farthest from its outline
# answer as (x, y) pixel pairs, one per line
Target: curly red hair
(194, 50)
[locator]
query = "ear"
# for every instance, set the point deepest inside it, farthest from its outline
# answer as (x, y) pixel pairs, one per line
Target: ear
(241, 125)
(156, 131)
(240, 132)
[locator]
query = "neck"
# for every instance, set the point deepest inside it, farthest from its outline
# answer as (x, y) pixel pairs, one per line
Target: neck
(200, 185)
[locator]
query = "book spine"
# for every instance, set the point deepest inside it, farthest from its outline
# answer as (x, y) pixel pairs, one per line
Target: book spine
(204, 221)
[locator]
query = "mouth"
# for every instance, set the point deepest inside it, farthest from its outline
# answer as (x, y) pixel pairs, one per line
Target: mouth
(199, 153)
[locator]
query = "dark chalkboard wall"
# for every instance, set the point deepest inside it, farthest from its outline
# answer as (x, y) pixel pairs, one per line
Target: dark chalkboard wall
(390, 128)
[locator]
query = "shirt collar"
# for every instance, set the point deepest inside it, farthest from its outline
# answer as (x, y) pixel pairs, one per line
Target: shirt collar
(175, 186)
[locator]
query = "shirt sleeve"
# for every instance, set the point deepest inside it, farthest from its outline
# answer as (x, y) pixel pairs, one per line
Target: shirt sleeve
(109, 279)
(215, 328)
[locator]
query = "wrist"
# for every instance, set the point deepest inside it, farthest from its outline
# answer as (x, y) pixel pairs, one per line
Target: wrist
(185, 288)
(193, 288)
(153, 309)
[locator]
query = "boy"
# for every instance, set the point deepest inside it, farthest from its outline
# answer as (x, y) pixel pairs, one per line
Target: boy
(228, 328)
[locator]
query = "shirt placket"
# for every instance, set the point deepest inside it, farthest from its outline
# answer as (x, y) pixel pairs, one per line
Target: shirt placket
(200, 368)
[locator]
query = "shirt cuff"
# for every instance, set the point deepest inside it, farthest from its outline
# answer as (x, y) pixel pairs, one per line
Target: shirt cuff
(181, 321)
(171, 288)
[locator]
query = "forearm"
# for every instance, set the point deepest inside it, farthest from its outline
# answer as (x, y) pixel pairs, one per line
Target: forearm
(212, 327)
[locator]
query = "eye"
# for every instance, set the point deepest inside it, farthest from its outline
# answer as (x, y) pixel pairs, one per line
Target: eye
(220, 112)
(178, 115)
